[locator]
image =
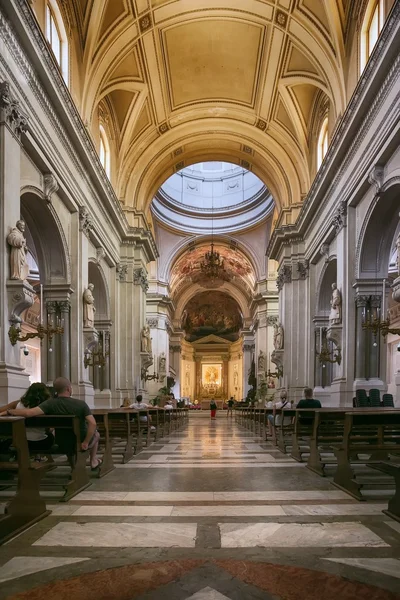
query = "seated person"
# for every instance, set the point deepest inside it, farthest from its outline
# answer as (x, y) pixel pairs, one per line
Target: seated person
(274, 420)
(64, 404)
(126, 403)
(168, 405)
(40, 439)
(308, 402)
(140, 404)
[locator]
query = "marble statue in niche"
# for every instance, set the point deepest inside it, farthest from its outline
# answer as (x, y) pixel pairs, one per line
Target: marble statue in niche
(235, 378)
(88, 306)
(335, 316)
(145, 341)
(19, 268)
(261, 361)
(278, 336)
(162, 363)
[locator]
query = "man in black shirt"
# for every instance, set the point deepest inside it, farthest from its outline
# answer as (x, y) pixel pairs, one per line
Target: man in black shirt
(308, 402)
(64, 404)
(231, 403)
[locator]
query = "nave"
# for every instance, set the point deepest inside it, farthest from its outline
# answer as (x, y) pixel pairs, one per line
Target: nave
(210, 512)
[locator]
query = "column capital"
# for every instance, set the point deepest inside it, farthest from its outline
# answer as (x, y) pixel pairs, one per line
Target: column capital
(10, 112)
(64, 306)
(284, 276)
(122, 271)
(140, 278)
(51, 307)
(361, 301)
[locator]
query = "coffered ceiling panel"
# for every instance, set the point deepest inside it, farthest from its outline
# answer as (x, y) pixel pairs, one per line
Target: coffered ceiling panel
(212, 59)
(212, 77)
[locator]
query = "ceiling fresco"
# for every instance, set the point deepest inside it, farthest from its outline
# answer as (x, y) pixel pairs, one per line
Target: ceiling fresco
(236, 265)
(209, 313)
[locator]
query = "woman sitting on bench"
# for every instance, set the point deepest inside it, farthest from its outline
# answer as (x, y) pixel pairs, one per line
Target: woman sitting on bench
(40, 440)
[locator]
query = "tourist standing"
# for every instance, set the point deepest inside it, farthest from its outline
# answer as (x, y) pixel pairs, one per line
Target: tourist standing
(213, 409)
(231, 403)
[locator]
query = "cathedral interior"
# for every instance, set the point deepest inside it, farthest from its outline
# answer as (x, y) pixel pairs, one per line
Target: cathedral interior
(200, 201)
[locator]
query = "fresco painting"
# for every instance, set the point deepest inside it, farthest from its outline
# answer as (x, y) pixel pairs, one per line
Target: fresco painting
(212, 313)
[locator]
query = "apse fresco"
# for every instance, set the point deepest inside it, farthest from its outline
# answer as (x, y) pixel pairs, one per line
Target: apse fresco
(212, 313)
(235, 263)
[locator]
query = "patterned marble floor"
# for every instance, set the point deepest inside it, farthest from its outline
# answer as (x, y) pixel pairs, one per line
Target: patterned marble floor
(211, 512)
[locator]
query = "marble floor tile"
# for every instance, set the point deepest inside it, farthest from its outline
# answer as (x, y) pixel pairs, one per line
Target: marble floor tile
(168, 496)
(120, 535)
(64, 510)
(283, 495)
(207, 593)
(334, 509)
(103, 496)
(296, 535)
(19, 566)
(123, 511)
(228, 511)
(209, 464)
(393, 524)
(387, 566)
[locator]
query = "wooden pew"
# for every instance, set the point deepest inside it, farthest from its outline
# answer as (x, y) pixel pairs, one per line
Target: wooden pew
(68, 440)
(327, 430)
(119, 423)
(302, 432)
(27, 506)
(373, 433)
(284, 431)
(101, 416)
(392, 469)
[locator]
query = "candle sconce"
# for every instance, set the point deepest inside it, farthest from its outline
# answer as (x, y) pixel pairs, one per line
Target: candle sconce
(146, 377)
(14, 334)
(277, 373)
(325, 356)
(95, 358)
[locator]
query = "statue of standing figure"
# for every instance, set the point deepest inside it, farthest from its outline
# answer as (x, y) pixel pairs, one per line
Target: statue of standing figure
(162, 363)
(398, 254)
(261, 361)
(88, 306)
(335, 316)
(145, 342)
(19, 268)
(278, 336)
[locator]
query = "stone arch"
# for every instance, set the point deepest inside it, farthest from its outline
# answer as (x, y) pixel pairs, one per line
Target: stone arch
(101, 292)
(379, 227)
(227, 288)
(51, 247)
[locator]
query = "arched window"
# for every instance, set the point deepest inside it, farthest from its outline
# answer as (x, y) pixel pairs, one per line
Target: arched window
(322, 143)
(104, 153)
(57, 36)
(371, 28)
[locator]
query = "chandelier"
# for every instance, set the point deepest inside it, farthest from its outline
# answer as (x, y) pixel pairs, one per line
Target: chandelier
(213, 265)
(377, 325)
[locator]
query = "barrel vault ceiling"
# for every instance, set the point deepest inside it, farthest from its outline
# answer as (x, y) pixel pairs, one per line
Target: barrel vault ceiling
(179, 82)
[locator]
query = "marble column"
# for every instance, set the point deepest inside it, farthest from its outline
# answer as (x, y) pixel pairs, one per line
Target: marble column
(248, 353)
(51, 309)
(374, 350)
(13, 379)
(106, 368)
(65, 341)
(361, 336)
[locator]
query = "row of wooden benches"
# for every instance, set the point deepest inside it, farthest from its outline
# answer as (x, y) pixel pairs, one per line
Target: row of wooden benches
(123, 433)
(338, 437)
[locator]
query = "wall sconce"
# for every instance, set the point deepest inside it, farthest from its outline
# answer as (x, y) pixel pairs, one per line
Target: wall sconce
(277, 373)
(325, 356)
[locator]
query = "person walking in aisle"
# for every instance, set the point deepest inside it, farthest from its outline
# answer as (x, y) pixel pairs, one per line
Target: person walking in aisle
(213, 409)
(231, 403)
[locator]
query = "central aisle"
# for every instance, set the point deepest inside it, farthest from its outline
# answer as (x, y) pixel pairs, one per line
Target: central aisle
(194, 516)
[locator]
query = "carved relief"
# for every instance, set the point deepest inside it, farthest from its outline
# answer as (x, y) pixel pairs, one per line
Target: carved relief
(303, 268)
(50, 185)
(122, 270)
(284, 276)
(152, 323)
(340, 217)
